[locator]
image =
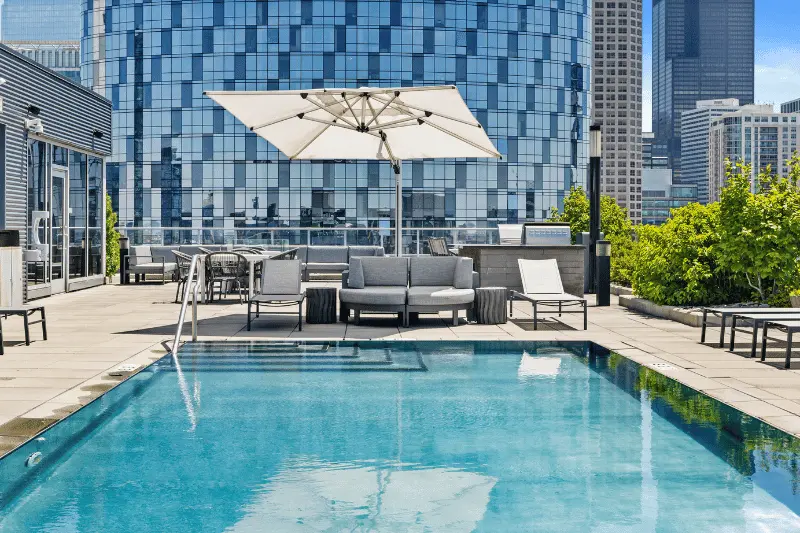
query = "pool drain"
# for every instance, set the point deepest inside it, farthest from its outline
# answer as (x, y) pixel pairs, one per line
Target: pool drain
(662, 366)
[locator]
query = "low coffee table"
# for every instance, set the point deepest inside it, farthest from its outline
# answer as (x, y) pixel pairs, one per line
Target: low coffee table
(321, 305)
(491, 305)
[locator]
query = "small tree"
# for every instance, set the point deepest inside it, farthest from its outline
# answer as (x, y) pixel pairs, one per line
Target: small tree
(614, 221)
(760, 232)
(112, 240)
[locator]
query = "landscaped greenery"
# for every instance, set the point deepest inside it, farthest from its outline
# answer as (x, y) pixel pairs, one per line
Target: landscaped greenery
(112, 240)
(744, 247)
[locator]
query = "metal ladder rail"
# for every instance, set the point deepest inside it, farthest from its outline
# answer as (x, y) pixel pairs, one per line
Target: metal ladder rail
(193, 277)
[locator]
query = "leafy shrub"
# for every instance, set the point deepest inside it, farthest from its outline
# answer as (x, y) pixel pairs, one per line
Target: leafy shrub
(678, 263)
(112, 240)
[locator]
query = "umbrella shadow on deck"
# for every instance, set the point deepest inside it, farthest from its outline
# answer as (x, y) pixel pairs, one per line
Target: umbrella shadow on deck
(221, 325)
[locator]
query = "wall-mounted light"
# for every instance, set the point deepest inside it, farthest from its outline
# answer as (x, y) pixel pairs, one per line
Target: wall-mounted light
(97, 134)
(34, 110)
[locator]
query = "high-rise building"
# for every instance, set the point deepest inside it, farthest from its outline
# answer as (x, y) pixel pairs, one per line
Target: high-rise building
(756, 135)
(40, 20)
(702, 50)
(181, 162)
(660, 196)
(695, 125)
(617, 95)
(47, 31)
(649, 160)
(791, 107)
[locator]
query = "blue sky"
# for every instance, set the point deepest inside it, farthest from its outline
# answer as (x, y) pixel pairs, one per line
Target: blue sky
(777, 69)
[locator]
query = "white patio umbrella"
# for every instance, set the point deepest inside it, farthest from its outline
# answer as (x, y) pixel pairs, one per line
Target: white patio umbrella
(391, 124)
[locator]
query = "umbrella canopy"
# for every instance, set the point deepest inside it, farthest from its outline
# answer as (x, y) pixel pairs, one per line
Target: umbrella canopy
(391, 124)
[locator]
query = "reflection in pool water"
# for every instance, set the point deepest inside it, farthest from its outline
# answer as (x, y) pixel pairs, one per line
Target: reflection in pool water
(376, 436)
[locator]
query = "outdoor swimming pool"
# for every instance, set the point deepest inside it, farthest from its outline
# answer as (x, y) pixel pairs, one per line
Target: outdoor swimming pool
(404, 436)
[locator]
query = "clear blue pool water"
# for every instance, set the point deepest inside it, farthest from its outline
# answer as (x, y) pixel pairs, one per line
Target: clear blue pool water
(390, 437)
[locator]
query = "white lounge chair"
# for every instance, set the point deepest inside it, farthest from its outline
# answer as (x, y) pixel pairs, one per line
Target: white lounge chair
(280, 286)
(541, 284)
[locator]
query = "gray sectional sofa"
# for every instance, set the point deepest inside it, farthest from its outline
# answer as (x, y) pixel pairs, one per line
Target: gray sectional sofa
(157, 260)
(332, 259)
(405, 285)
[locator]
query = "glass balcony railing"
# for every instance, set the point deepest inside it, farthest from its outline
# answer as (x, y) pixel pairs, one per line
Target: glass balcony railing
(415, 240)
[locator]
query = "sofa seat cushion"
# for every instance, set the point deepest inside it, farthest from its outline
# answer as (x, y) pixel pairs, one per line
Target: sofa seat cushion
(374, 295)
(443, 295)
(326, 267)
(153, 268)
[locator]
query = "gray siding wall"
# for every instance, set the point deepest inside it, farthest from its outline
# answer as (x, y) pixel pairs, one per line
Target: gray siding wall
(69, 112)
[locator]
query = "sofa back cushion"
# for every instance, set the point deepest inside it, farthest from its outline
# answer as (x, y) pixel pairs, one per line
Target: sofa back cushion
(365, 251)
(140, 255)
(281, 277)
(378, 271)
(433, 271)
(157, 252)
(327, 254)
(190, 249)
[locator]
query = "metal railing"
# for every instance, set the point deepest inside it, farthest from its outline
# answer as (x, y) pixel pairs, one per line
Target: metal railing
(193, 277)
(415, 240)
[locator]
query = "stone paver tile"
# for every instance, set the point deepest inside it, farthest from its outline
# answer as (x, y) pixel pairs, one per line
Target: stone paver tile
(787, 405)
(783, 392)
(736, 372)
(761, 394)
(12, 408)
(37, 382)
(50, 410)
(82, 365)
(788, 423)
(28, 393)
(759, 409)
(733, 362)
(729, 395)
(772, 382)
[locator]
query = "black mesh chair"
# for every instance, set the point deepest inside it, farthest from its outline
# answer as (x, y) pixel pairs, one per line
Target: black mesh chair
(184, 263)
(228, 270)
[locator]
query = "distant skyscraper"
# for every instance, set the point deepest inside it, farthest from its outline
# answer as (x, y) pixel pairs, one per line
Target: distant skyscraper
(755, 134)
(791, 107)
(695, 125)
(617, 92)
(47, 31)
(40, 20)
(702, 50)
(648, 159)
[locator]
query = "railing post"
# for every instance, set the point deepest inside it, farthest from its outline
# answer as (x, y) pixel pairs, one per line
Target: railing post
(417, 242)
(194, 311)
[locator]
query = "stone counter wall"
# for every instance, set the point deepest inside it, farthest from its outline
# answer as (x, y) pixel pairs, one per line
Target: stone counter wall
(498, 267)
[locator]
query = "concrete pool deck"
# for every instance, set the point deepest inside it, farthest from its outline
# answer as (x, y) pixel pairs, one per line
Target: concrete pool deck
(93, 332)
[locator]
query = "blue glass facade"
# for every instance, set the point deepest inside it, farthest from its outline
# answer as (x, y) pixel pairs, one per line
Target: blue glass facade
(180, 161)
(40, 20)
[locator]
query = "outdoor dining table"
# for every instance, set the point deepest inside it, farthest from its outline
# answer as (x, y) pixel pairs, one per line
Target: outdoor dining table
(252, 259)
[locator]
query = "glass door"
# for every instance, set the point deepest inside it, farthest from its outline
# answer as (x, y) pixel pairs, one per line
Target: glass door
(58, 252)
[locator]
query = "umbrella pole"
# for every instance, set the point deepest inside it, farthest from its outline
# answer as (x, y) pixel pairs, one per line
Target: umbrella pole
(398, 208)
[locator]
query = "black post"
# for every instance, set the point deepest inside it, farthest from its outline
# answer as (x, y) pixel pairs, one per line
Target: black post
(603, 291)
(123, 261)
(595, 153)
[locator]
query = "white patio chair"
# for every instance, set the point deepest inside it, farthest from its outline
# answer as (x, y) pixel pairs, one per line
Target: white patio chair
(280, 286)
(541, 284)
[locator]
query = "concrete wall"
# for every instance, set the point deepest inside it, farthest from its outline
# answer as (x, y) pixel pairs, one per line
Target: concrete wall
(498, 267)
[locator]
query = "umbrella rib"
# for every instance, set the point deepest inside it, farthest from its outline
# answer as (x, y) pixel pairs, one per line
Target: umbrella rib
(431, 113)
(325, 108)
(401, 120)
(374, 118)
(363, 109)
(283, 119)
(385, 141)
(462, 139)
(346, 101)
(326, 122)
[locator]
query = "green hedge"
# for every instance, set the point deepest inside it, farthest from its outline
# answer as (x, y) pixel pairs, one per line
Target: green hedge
(744, 247)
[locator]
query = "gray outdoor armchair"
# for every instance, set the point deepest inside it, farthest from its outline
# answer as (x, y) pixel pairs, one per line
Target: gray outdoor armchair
(280, 286)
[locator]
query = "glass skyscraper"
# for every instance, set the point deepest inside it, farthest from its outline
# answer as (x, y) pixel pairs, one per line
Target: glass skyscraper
(40, 20)
(181, 162)
(702, 50)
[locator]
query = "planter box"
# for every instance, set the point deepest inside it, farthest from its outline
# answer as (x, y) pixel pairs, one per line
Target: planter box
(689, 317)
